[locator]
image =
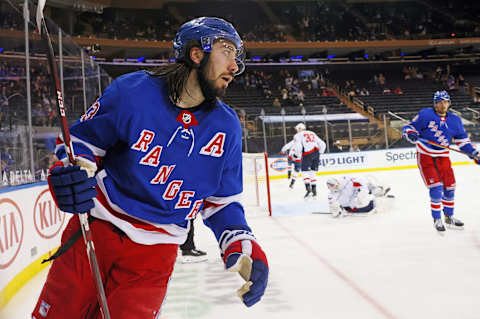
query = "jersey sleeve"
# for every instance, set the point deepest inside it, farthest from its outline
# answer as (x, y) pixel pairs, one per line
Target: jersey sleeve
(297, 144)
(416, 125)
(98, 129)
(223, 211)
(286, 147)
(461, 139)
(321, 144)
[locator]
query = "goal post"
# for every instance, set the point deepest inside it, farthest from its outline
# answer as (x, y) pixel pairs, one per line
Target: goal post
(256, 182)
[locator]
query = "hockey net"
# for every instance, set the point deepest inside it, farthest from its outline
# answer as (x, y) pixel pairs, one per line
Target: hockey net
(256, 185)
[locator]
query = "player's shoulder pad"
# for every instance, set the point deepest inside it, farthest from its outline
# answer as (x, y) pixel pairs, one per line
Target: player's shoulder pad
(453, 116)
(228, 116)
(428, 111)
(133, 80)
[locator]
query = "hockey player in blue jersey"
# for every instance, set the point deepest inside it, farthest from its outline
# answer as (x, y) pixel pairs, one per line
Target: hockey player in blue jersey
(439, 126)
(154, 151)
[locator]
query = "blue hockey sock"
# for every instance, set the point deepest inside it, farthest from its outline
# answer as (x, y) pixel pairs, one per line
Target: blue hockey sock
(436, 194)
(448, 201)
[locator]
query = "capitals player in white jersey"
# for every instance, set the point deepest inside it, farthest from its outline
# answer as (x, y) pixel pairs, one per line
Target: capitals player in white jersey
(439, 126)
(294, 161)
(308, 146)
(353, 195)
(162, 148)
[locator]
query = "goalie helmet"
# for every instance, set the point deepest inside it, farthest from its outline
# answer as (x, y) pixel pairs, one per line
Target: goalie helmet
(440, 96)
(300, 127)
(207, 30)
(333, 184)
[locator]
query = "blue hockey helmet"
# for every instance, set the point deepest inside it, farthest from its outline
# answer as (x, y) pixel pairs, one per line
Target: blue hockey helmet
(207, 30)
(440, 96)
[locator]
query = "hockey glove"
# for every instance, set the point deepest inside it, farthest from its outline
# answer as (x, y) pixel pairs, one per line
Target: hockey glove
(411, 136)
(242, 254)
(71, 188)
(476, 157)
(335, 209)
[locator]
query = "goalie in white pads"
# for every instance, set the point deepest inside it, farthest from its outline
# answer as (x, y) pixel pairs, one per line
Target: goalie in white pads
(352, 195)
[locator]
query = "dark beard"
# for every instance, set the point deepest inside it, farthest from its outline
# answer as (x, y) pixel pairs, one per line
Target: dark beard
(210, 92)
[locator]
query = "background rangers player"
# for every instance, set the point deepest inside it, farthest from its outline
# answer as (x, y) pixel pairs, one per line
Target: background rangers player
(437, 125)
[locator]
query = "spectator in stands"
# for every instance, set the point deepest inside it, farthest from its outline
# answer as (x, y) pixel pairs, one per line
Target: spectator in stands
(3, 104)
(387, 91)
(6, 161)
(398, 91)
(267, 93)
(51, 115)
(315, 81)
(337, 147)
(364, 92)
(39, 117)
(351, 94)
(437, 76)
(300, 97)
(461, 81)
(276, 102)
(381, 79)
(451, 83)
(355, 148)
(284, 93)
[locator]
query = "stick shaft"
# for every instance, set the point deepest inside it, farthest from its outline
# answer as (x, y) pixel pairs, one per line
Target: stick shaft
(445, 147)
(87, 233)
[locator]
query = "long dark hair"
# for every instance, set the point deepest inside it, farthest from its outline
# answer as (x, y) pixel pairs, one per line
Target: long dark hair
(177, 73)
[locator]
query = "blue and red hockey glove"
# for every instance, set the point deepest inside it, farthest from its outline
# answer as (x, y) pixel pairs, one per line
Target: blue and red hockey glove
(476, 157)
(241, 253)
(71, 188)
(411, 136)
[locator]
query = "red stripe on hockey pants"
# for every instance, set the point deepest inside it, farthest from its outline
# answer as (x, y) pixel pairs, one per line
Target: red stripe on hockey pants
(135, 277)
(435, 170)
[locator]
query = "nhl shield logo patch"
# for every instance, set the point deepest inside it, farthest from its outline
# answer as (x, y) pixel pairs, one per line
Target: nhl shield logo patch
(187, 119)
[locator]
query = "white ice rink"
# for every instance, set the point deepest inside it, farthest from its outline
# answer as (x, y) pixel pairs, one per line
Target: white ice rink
(388, 265)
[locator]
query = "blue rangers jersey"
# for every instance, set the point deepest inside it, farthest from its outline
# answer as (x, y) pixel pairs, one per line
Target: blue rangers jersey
(439, 129)
(159, 165)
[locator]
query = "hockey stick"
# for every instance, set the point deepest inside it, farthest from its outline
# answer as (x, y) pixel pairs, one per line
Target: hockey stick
(83, 218)
(445, 147)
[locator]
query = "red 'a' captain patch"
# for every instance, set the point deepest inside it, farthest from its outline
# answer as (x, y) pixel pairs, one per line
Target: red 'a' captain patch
(187, 119)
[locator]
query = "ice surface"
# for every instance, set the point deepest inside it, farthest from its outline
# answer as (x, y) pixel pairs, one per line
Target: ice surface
(388, 265)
